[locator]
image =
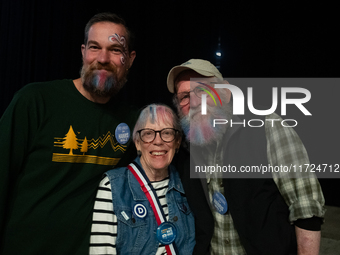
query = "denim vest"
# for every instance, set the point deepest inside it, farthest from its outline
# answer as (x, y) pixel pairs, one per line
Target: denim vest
(138, 235)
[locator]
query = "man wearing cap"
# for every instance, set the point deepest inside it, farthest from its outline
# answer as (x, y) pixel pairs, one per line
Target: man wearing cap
(242, 215)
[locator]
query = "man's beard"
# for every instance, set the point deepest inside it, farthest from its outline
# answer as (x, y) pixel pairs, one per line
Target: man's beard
(199, 129)
(101, 80)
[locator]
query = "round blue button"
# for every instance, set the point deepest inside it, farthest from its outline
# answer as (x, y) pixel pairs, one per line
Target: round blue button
(139, 210)
(166, 233)
(122, 133)
(220, 203)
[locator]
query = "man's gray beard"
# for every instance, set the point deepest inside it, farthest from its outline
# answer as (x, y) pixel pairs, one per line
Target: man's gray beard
(112, 84)
(199, 130)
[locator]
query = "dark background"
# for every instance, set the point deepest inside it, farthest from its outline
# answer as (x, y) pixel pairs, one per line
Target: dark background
(40, 41)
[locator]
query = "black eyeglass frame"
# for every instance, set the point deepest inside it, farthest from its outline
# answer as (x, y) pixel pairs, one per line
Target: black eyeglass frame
(160, 134)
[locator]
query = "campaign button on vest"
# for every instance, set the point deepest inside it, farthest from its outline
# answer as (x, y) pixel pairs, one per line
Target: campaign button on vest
(166, 233)
(140, 211)
(220, 203)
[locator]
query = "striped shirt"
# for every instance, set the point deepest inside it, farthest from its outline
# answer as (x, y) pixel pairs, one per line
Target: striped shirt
(104, 221)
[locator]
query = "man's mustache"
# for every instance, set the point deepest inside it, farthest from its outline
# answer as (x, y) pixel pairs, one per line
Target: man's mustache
(98, 66)
(194, 110)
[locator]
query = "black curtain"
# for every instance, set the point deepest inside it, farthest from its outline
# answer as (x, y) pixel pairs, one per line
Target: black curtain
(40, 41)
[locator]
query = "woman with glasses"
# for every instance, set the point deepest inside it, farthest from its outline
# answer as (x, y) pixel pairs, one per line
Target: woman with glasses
(142, 208)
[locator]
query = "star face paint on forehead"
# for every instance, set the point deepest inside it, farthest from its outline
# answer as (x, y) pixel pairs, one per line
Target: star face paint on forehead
(122, 41)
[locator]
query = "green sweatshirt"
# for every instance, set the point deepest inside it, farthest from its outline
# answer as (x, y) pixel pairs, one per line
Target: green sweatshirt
(54, 147)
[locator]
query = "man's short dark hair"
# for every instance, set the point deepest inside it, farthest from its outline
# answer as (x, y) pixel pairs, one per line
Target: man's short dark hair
(109, 17)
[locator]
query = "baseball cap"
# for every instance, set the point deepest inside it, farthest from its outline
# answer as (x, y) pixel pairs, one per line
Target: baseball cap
(203, 67)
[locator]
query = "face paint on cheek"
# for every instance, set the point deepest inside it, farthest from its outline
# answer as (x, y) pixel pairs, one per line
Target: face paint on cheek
(122, 60)
(122, 41)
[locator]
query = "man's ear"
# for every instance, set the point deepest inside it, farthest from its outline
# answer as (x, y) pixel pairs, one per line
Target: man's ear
(228, 95)
(83, 47)
(132, 56)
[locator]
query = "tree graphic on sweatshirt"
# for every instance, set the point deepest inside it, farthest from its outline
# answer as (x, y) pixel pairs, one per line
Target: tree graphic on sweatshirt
(70, 141)
(84, 146)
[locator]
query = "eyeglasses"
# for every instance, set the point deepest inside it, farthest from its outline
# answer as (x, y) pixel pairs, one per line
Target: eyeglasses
(167, 135)
(184, 97)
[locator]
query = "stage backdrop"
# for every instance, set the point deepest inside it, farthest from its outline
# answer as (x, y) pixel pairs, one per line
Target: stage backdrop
(40, 41)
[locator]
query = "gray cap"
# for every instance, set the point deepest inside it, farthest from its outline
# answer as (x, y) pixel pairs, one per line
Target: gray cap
(203, 67)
